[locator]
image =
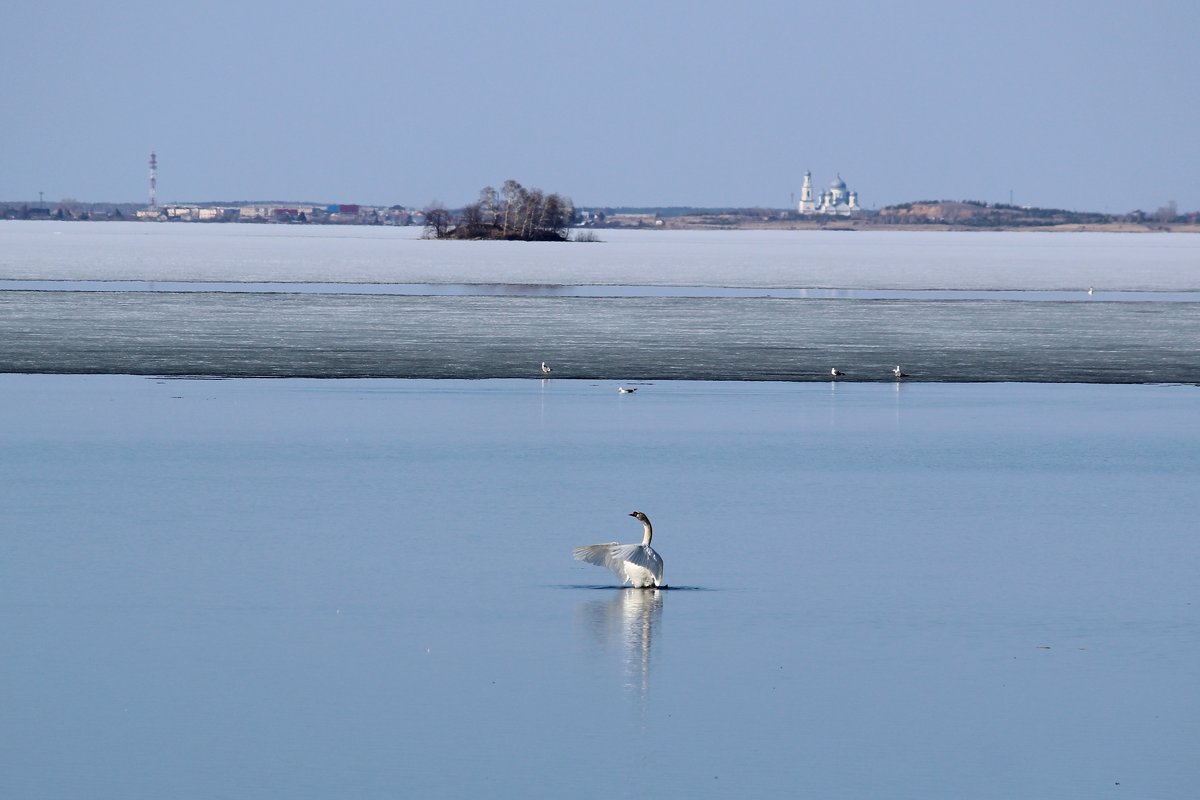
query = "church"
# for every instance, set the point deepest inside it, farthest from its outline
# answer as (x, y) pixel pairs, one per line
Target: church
(837, 200)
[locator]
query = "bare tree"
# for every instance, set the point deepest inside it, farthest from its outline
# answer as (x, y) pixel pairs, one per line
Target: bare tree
(473, 222)
(514, 197)
(489, 205)
(531, 212)
(437, 220)
(555, 217)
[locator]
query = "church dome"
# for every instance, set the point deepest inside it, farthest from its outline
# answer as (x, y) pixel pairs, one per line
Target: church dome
(838, 183)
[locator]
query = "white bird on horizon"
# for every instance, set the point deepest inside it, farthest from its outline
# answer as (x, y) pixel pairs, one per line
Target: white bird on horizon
(545, 369)
(636, 564)
(898, 373)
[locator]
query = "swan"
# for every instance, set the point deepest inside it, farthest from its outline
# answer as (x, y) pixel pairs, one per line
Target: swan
(545, 369)
(898, 373)
(835, 372)
(637, 564)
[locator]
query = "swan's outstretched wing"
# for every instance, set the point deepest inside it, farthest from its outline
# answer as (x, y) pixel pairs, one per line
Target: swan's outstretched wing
(620, 557)
(602, 555)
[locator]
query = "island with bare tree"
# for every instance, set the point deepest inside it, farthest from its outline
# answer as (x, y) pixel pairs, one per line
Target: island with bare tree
(513, 213)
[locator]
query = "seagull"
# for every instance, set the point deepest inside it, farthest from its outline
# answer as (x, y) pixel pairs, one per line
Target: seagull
(898, 373)
(545, 369)
(625, 390)
(835, 372)
(636, 564)
(1091, 289)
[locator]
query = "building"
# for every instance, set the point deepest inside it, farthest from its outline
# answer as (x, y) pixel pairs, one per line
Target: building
(837, 200)
(806, 199)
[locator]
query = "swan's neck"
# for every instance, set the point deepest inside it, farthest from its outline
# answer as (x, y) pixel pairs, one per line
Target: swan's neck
(648, 535)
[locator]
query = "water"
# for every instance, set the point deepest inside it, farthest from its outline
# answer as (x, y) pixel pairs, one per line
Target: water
(364, 588)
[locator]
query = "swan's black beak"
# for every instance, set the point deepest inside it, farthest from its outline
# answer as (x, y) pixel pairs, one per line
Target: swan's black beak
(633, 513)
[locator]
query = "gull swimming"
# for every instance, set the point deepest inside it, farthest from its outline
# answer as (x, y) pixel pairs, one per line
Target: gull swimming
(625, 390)
(898, 373)
(636, 564)
(545, 369)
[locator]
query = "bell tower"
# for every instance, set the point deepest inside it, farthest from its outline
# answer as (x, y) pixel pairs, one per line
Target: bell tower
(806, 205)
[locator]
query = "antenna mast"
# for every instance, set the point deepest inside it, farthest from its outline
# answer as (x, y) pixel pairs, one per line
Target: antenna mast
(153, 181)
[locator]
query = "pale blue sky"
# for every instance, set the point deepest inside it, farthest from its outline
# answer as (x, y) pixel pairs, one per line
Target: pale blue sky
(1082, 105)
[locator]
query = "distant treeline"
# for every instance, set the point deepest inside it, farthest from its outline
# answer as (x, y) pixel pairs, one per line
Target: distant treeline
(975, 213)
(68, 210)
(668, 212)
(513, 213)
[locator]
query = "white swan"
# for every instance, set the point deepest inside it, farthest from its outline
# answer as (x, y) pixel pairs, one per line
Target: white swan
(637, 564)
(545, 369)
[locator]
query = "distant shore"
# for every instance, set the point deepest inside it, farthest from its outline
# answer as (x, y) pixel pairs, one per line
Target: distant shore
(702, 222)
(738, 222)
(931, 216)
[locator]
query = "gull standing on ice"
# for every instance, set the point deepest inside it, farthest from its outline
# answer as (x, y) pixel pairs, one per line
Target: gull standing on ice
(637, 564)
(545, 369)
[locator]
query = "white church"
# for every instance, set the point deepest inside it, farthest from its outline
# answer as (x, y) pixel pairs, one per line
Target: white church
(837, 200)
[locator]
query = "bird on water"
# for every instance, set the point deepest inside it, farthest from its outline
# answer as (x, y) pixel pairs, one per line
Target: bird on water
(545, 369)
(625, 390)
(636, 564)
(835, 372)
(898, 373)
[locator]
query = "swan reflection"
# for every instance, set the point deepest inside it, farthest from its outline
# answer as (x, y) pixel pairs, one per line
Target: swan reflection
(625, 622)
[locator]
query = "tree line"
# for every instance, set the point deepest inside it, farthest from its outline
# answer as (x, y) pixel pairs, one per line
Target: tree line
(513, 213)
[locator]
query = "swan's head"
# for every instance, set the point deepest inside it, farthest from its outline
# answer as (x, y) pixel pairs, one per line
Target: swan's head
(639, 516)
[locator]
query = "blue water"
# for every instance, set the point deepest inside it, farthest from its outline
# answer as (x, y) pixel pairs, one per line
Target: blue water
(305, 588)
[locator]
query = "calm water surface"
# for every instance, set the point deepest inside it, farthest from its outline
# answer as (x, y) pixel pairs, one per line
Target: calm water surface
(301, 588)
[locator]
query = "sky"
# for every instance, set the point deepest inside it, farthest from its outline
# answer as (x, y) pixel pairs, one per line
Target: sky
(1080, 105)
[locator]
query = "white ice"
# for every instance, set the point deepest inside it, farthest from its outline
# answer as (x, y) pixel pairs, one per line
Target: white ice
(804, 259)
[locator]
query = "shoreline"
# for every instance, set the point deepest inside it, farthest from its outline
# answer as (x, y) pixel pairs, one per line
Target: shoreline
(726, 223)
(721, 222)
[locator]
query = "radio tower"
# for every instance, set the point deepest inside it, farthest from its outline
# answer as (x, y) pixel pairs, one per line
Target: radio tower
(153, 181)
